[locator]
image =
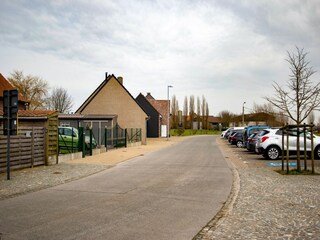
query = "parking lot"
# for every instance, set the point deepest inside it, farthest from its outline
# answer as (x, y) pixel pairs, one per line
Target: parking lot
(255, 160)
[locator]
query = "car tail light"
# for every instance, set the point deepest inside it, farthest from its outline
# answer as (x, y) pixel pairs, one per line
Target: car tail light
(264, 138)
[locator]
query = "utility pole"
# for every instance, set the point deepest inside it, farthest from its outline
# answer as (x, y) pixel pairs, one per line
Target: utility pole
(243, 113)
(168, 122)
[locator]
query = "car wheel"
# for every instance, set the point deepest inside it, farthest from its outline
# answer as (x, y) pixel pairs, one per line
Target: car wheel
(272, 153)
(239, 144)
(317, 152)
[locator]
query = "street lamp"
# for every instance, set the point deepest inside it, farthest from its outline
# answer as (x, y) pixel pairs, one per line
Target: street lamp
(168, 122)
(243, 113)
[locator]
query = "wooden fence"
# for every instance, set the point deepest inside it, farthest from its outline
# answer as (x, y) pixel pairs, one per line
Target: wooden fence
(27, 149)
(52, 144)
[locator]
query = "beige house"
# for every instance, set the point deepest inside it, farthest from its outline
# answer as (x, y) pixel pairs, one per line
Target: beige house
(112, 98)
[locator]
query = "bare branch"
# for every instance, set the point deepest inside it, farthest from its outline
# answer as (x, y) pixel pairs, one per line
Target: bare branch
(302, 97)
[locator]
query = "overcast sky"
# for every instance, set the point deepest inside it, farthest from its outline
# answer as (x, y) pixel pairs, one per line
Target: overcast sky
(229, 51)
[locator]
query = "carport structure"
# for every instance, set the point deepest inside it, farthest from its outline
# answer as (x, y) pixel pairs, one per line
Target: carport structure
(97, 122)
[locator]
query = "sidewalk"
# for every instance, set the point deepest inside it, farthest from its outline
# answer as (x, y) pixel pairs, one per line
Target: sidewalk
(37, 178)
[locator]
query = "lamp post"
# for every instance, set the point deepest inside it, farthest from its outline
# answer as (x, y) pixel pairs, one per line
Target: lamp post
(168, 123)
(243, 113)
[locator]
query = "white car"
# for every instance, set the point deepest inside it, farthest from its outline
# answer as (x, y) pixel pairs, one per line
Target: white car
(224, 132)
(269, 143)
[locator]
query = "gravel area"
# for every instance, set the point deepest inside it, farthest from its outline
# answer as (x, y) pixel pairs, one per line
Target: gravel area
(37, 178)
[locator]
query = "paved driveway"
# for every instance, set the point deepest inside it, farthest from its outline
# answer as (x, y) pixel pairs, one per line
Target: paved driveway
(168, 194)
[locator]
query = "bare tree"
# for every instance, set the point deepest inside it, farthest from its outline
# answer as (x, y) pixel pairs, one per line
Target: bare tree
(281, 117)
(174, 112)
(265, 108)
(301, 96)
(271, 117)
(32, 88)
(185, 112)
(60, 100)
(203, 112)
(226, 118)
(198, 113)
(191, 109)
(207, 116)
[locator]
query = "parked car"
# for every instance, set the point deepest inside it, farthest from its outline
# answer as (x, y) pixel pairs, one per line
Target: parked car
(249, 130)
(229, 131)
(237, 139)
(225, 132)
(233, 131)
(230, 136)
(253, 141)
(69, 140)
(270, 143)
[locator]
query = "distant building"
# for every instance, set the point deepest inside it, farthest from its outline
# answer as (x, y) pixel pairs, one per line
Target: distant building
(215, 123)
(254, 119)
(163, 107)
(154, 119)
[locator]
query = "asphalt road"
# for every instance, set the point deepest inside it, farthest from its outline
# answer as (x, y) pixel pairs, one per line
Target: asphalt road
(168, 194)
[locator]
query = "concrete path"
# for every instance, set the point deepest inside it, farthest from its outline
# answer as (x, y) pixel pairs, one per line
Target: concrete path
(168, 194)
(41, 177)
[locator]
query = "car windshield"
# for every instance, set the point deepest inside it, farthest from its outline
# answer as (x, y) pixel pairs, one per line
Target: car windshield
(252, 135)
(75, 131)
(68, 131)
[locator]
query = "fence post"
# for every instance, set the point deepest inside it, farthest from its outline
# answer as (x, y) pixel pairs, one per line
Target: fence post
(90, 141)
(287, 128)
(282, 151)
(32, 147)
(305, 146)
(312, 150)
(72, 140)
(81, 143)
(105, 138)
(116, 133)
(125, 138)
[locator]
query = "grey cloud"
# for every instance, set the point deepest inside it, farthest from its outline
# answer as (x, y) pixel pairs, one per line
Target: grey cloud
(192, 44)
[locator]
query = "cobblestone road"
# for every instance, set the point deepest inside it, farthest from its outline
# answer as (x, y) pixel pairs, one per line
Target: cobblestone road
(268, 205)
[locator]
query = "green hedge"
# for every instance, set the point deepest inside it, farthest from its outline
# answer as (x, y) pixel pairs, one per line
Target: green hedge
(189, 132)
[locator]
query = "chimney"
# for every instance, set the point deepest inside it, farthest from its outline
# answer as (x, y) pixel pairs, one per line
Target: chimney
(106, 75)
(148, 96)
(120, 79)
